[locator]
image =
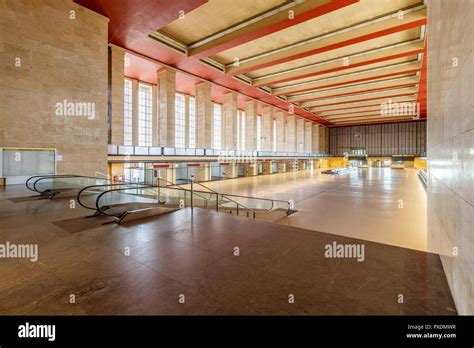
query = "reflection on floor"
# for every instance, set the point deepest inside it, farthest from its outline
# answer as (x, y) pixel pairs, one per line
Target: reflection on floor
(378, 204)
(191, 257)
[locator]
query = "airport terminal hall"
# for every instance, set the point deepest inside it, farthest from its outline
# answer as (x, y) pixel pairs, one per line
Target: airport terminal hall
(236, 158)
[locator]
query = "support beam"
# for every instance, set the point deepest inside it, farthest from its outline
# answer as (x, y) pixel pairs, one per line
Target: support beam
(366, 87)
(308, 137)
(315, 140)
(116, 95)
(251, 125)
(300, 133)
(363, 33)
(166, 105)
(291, 133)
(267, 128)
(204, 116)
(229, 121)
(269, 24)
(280, 131)
(403, 69)
(336, 65)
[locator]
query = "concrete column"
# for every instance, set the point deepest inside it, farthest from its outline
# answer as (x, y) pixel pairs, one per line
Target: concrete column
(315, 144)
(229, 121)
(250, 125)
(308, 137)
(230, 171)
(155, 138)
(166, 106)
(300, 135)
(135, 112)
(281, 167)
(116, 95)
(204, 116)
(291, 133)
(267, 167)
(323, 139)
(267, 128)
(280, 130)
(186, 121)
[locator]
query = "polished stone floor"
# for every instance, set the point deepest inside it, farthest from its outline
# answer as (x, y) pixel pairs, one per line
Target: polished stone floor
(186, 263)
(378, 204)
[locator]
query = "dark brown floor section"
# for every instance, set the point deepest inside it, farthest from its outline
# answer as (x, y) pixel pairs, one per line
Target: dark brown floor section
(148, 268)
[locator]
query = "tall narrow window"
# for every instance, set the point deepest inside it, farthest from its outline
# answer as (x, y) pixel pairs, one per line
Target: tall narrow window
(144, 115)
(127, 113)
(180, 120)
(259, 133)
(192, 122)
(242, 115)
(274, 136)
(217, 126)
(238, 130)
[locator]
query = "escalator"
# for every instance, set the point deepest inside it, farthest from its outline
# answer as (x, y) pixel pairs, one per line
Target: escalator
(131, 201)
(50, 186)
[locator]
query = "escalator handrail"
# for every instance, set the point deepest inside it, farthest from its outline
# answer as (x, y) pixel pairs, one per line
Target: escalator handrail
(248, 197)
(38, 177)
(128, 188)
(66, 176)
(103, 185)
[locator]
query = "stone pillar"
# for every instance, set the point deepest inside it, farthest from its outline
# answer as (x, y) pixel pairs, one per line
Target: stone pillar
(308, 137)
(166, 106)
(323, 139)
(280, 130)
(186, 121)
(204, 116)
(267, 167)
(135, 112)
(300, 135)
(229, 121)
(251, 125)
(267, 128)
(315, 145)
(291, 133)
(116, 95)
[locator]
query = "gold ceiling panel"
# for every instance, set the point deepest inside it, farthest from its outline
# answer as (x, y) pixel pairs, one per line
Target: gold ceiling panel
(215, 16)
(346, 72)
(359, 105)
(340, 53)
(353, 14)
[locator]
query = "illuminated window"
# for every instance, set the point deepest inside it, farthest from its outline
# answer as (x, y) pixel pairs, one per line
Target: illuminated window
(180, 120)
(127, 113)
(192, 122)
(259, 133)
(217, 126)
(144, 114)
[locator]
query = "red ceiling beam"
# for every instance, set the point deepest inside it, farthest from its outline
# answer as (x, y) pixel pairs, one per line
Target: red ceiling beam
(351, 81)
(342, 67)
(359, 92)
(269, 28)
(385, 32)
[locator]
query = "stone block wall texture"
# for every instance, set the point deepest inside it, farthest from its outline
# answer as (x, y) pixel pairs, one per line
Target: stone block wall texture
(450, 147)
(116, 95)
(60, 59)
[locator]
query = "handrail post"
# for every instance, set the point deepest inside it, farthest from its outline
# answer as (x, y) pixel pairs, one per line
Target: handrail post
(192, 188)
(217, 202)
